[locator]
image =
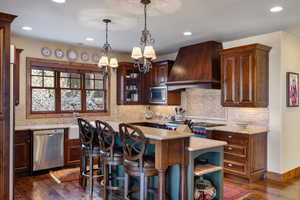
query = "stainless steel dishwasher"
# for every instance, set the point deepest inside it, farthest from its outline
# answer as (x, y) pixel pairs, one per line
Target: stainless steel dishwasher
(48, 149)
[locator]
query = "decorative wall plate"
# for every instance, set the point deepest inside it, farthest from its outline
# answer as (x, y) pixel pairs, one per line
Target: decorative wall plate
(59, 53)
(96, 58)
(46, 52)
(72, 54)
(85, 56)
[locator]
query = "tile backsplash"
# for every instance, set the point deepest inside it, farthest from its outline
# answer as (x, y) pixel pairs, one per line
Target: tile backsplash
(203, 103)
(206, 103)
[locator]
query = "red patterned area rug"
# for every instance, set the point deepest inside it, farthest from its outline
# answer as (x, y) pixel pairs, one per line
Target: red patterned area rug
(234, 193)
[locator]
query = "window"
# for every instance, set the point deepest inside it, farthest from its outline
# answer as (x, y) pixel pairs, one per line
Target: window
(56, 90)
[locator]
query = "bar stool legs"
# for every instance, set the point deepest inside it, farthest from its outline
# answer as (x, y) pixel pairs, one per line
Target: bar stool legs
(126, 185)
(142, 186)
(91, 175)
(106, 173)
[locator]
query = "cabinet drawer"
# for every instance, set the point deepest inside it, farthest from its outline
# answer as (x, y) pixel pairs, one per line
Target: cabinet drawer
(235, 158)
(235, 149)
(231, 138)
(22, 136)
(234, 167)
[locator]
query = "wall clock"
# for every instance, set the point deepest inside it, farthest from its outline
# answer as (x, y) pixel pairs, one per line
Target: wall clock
(59, 53)
(96, 58)
(46, 52)
(85, 56)
(72, 54)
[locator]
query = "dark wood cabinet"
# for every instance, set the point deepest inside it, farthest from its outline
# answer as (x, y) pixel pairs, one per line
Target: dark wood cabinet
(72, 150)
(159, 77)
(162, 70)
(23, 153)
(129, 85)
(17, 76)
(133, 87)
(5, 109)
(245, 76)
(245, 155)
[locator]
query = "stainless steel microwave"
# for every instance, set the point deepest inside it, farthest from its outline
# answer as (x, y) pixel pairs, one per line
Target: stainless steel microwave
(159, 95)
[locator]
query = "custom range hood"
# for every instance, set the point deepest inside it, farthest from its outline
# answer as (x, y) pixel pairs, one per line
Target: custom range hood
(196, 66)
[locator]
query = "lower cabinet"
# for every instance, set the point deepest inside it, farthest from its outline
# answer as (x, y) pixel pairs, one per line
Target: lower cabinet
(72, 151)
(23, 153)
(23, 150)
(245, 155)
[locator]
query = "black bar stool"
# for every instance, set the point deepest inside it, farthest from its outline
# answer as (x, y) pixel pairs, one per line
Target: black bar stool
(111, 157)
(136, 164)
(90, 150)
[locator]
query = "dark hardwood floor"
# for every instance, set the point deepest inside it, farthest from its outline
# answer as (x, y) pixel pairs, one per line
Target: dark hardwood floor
(45, 188)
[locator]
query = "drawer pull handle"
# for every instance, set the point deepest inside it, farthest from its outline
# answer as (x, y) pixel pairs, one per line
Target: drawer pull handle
(229, 148)
(229, 165)
(229, 136)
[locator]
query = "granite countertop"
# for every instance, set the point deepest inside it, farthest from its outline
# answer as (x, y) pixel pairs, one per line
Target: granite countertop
(43, 127)
(237, 129)
(155, 133)
(203, 143)
(151, 133)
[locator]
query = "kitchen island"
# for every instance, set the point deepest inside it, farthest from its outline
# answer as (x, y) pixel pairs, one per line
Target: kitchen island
(172, 150)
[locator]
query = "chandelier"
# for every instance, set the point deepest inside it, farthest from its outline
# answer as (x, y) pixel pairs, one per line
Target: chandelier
(143, 61)
(105, 61)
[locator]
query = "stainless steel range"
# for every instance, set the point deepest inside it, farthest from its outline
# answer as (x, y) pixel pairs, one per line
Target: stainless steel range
(201, 129)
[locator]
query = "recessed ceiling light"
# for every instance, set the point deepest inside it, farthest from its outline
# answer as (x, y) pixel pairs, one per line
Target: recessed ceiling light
(26, 28)
(59, 1)
(276, 9)
(187, 33)
(89, 39)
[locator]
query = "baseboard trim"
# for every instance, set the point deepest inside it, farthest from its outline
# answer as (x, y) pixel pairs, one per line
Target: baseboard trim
(285, 176)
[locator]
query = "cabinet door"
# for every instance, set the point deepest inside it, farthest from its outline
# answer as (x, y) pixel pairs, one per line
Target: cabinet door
(229, 80)
(162, 74)
(129, 85)
(72, 152)
(22, 150)
(17, 76)
(245, 79)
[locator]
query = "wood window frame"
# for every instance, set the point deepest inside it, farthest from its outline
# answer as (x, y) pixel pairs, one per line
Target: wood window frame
(63, 66)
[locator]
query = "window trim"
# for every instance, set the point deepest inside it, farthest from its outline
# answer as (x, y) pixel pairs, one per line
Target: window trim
(66, 67)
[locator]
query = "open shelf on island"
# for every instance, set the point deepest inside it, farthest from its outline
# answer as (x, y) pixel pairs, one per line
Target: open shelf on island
(205, 169)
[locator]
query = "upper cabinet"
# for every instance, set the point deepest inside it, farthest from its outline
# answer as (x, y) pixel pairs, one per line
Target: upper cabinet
(129, 85)
(245, 76)
(161, 71)
(133, 87)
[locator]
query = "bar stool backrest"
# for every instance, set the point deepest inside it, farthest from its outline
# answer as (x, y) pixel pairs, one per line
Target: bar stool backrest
(86, 133)
(134, 143)
(107, 137)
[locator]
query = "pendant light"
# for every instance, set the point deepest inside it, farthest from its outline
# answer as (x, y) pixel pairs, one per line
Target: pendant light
(144, 55)
(105, 61)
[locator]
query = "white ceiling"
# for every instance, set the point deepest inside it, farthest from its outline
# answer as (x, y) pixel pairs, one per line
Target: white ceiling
(220, 20)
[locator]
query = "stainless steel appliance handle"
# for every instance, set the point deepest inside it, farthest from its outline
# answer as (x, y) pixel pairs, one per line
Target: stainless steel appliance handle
(50, 134)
